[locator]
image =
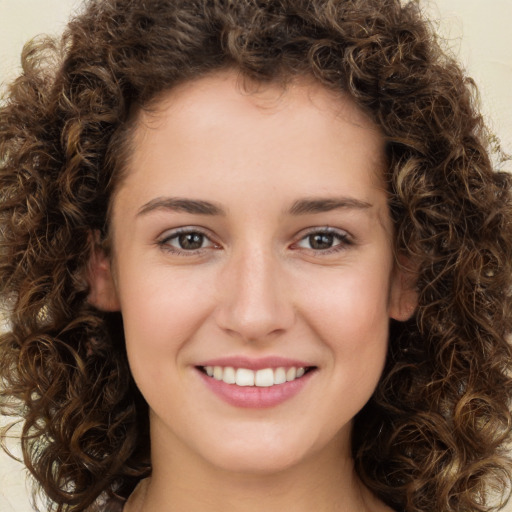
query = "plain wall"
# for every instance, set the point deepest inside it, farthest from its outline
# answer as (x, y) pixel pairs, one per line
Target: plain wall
(478, 31)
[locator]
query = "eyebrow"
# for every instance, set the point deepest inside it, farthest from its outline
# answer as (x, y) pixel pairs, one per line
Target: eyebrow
(178, 204)
(299, 207)
(320, 205)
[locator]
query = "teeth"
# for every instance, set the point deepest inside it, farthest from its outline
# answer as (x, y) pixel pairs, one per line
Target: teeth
(279, 376)
(291, 373)
(263, 378)
(229, 376)
(217, 373)
(244, 377)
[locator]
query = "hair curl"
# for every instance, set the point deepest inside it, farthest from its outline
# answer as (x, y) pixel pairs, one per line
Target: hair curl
(433, 435)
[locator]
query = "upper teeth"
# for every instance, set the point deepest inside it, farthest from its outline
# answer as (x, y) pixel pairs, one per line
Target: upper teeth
(265, 377)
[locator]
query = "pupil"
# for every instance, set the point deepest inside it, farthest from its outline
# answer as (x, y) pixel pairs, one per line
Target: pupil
(321, 241)
(191, 241)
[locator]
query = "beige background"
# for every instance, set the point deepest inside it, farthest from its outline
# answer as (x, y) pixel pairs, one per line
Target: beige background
(479, 31)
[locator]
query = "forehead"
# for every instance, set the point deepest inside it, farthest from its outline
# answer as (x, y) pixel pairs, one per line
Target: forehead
(227, 101)
(224, 127)
(257, 150)
(238, 93)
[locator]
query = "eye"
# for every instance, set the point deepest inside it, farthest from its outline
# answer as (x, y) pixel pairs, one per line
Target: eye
(186, 241)
(327, 240)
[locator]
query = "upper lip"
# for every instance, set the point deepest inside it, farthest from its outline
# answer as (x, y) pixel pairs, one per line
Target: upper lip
(256, 363)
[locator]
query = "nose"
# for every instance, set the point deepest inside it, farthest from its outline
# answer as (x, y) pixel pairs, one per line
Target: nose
(256, 303)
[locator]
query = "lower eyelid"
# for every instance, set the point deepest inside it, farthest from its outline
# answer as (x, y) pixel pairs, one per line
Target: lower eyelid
(164, 241)
(342, 237)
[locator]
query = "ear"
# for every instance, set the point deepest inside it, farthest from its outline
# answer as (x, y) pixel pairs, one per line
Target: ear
(102, 289)
(403, 296)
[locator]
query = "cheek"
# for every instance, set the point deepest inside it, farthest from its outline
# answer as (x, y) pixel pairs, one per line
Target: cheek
(348, 300)
(349, 312)
(161, 311)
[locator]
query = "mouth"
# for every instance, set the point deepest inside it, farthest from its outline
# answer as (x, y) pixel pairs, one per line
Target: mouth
(262, 378)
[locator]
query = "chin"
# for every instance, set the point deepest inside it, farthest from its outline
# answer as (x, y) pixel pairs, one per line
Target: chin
(259, 464)
(260, 456)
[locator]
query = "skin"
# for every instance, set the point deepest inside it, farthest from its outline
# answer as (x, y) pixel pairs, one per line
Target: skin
(256, 287)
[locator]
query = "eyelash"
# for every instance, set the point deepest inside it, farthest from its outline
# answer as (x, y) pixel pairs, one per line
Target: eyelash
(342, 237)
(164, 243)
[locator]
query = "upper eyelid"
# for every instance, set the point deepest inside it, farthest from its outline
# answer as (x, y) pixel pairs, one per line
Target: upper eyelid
(303, 232)
(323, 229)
(164, 240)
(344, 236)
(170, 233)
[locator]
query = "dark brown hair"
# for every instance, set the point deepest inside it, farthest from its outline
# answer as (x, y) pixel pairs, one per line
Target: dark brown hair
(432, 438)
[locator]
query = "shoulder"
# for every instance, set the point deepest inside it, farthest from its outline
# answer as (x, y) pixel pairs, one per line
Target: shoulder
(114, 506)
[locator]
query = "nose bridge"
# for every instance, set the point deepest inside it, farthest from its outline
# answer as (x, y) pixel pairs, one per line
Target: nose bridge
(255, 303)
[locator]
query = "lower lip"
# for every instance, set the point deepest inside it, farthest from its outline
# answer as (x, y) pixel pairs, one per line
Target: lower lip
(255, 397)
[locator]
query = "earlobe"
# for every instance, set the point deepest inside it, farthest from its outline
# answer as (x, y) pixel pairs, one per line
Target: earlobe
(404, 296)
(102, 289)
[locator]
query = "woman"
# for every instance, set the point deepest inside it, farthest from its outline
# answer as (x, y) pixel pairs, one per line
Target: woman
(256, 257)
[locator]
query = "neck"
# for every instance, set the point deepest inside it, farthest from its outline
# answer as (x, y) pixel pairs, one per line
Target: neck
(183, 483)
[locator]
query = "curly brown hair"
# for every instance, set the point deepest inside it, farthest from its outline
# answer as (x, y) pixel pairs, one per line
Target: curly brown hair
(433, 436)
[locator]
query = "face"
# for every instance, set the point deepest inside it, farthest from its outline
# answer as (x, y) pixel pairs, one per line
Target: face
(252, 240)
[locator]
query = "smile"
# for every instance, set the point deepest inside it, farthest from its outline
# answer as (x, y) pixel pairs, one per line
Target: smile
(256, 382)
(263, 378)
